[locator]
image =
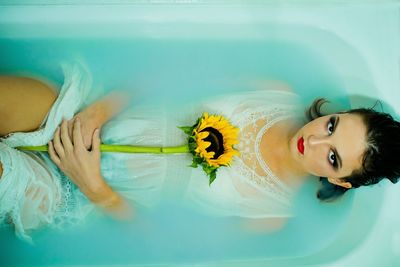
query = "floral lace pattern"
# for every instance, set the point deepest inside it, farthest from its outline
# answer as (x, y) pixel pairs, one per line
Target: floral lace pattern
(67, 208)
(251, 165)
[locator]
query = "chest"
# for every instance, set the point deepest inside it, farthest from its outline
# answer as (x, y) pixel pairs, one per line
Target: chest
(274, 148)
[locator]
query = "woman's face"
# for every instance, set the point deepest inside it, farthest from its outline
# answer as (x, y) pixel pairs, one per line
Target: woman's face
(330, 146)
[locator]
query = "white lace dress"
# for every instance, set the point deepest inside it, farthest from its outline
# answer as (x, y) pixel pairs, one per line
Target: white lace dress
(34, 193)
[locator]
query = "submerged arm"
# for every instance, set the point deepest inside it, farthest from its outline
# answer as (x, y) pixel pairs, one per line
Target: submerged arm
(97, 114)
(110, 201)
(266, 225)
(107, 107)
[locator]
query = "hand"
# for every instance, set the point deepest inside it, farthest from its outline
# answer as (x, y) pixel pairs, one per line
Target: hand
(83, 168)
(91, 120)
(80, 165)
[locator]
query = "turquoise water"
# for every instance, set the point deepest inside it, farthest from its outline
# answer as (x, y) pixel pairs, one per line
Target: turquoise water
(170, 72)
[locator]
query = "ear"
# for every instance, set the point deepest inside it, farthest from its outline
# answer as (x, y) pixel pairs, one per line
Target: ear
(340, 182)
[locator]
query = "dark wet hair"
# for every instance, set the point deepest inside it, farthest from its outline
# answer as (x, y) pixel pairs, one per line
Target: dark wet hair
(381, 158)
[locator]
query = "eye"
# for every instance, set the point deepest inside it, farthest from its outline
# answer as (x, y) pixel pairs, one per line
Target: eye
(331, 125)
(331, 128)
(332, 158)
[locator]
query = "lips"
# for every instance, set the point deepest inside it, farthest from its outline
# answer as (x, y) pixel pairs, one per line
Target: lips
(300, 145)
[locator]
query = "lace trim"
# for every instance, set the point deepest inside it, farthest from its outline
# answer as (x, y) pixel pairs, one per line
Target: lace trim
(268, 182)
(67, 213)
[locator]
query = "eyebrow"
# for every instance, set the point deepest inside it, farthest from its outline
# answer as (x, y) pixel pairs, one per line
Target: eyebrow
(339, 159)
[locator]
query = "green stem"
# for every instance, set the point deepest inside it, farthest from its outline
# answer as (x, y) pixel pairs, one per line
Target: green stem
(124, 149)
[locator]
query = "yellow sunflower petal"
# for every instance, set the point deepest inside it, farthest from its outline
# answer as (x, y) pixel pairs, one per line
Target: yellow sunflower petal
(202, 135)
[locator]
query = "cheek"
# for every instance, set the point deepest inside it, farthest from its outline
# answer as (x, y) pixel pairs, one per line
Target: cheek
(317, 166)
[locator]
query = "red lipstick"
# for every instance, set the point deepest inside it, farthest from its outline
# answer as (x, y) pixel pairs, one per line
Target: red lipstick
(300, 145)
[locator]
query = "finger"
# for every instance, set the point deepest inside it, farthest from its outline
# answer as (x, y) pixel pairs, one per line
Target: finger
(57, 144)
(53, 155)
(66, 141)
(77, 134)
(87, 139)
(96, 141)
(70, 127)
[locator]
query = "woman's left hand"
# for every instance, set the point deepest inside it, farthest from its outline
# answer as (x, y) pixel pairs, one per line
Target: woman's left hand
(79, 164)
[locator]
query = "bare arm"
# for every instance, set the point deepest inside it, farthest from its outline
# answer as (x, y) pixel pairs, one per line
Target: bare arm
(24, 103)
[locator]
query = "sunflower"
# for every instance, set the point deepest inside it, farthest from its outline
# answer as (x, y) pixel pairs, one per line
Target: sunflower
(211, 142)
(215, 138)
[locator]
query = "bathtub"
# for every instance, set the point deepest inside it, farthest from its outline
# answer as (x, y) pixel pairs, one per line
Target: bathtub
(175, 51)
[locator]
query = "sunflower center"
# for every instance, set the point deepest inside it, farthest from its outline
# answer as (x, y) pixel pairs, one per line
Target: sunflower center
(217, 142)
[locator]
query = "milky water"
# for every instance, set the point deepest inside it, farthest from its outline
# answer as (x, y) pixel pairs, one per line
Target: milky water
(171, 72)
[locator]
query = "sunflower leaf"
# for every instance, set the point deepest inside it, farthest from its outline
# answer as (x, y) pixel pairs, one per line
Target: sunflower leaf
(213, 175)
(208, 169)
(197, 123)
(194, 164)
(198, 160)
(186, 129)
(192, 146)
(205, 168)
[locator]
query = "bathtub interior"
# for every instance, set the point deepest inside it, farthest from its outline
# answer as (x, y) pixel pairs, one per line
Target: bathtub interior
(172, 54)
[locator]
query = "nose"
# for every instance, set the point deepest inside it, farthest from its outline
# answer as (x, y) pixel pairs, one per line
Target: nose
(314, 140)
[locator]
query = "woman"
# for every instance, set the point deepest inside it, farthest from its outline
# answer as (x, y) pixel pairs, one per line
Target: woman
(278, 152)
